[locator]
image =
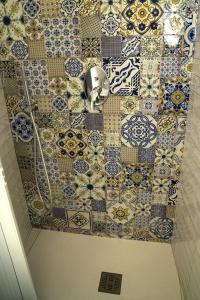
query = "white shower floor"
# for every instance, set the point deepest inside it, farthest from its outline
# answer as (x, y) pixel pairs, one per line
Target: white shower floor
(67, 266)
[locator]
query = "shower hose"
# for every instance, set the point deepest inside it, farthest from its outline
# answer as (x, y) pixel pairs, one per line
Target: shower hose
(36, 142)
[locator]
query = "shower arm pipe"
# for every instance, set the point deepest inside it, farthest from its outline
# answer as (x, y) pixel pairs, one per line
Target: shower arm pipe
(38, 139)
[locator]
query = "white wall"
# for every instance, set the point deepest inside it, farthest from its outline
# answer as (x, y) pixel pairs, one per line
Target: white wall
(186, 243)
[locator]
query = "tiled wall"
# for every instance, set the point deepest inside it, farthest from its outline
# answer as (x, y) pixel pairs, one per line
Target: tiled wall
(186, 241)
(114, 171)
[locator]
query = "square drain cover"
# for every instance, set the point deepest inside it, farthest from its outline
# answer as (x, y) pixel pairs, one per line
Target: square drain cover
(110, 283)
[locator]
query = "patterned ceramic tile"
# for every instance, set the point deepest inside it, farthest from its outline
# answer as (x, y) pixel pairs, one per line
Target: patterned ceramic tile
(128, 196)
(56, 67)
(110, 17)
(89, 7)
(113, 171)
(149, 86)
(112, 154)
(5, 50)
(175, 96)
(123, 74)
(149, 106)
(8, 67)
(73, 67)
(22, 127)
(69, 8)
(146, 155)
(50, 9)
(76, 105)
(161, 227)
(173, 24)
(94, 121)
(90, 26)
(59, 103)
(170, 67)
(75, 87)
(77, 120)
(19, 50)
(190, 35)
(62, 36)
(129, 155)
(36, 49)
(120, 213)
(37, 76)
(160, 186)
(70, 143)
(113, 168)
(173, 45)
(187, 67)
(58, 86)
(138, 176)
(150, 67)
(131, 46)
(129, 105)
(111, 46)
(166, 123)
(34, 29)
(151, 46)
(31, 8)
(112, 125)
(162, 170)
(141, 17)
(91, 47)
(90, 187)
(139, 131)
(12, 24)
(166, 140)
(78, 220)
(112, 105)
(95, 138)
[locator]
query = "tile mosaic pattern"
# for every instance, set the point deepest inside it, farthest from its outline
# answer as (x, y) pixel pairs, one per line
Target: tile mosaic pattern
(113, 171)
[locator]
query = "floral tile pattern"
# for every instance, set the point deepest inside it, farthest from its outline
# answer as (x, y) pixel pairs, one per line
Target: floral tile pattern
(12, 20)
(113, 171)
(141, 17)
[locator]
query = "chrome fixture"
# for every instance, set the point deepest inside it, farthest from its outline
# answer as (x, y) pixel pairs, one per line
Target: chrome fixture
(97, 86)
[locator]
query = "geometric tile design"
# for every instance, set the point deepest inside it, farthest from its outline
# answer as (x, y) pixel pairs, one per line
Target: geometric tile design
(91, 47)
(129, 155)
(70, 143)
(123, 74)
(36, 49)
(90, 26)
(111, 46)
(113, 171)
(138, 131)
(50, 9)
(112, 105)
(56, 34)
(37, 76)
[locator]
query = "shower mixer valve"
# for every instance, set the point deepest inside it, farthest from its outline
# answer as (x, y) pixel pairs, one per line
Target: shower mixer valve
(97, 86)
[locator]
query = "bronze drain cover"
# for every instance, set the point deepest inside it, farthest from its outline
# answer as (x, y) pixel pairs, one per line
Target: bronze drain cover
(110, 283)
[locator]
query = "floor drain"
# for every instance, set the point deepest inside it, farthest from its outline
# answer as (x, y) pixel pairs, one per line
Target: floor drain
(110, 283)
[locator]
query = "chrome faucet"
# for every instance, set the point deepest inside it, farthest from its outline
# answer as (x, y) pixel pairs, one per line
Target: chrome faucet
(97, 86)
